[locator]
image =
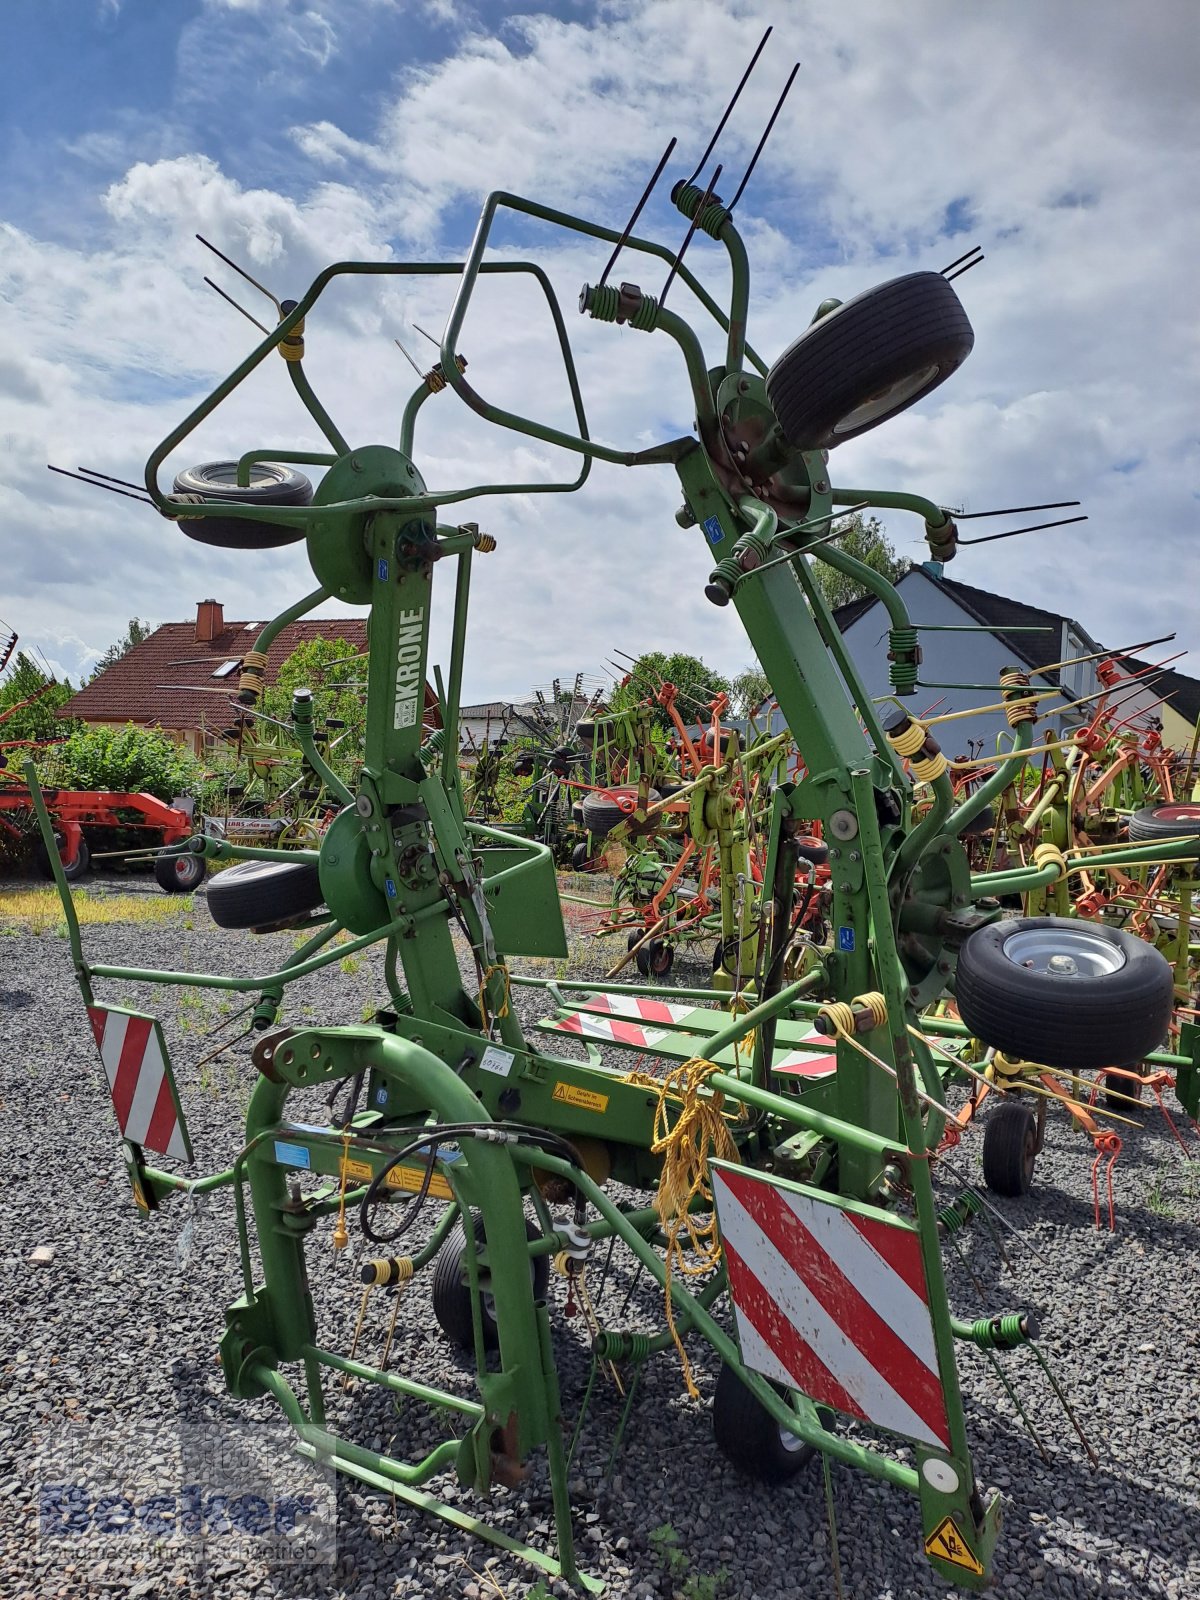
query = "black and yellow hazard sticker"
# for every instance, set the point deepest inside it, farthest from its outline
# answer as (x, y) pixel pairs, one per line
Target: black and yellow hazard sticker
(404, 1177)
(945, 1543)
(571, 1094)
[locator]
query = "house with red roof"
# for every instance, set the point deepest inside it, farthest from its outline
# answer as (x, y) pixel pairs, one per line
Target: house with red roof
(183, 679)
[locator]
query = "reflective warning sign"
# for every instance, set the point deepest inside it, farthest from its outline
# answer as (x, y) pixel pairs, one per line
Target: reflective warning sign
(947, 1544)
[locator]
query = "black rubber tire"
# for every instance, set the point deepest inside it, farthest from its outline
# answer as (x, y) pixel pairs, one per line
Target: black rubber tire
(655, 959)
(601, 813)
(451, 1295)
(749, 1437)
(1077, 1020)
(271, 485)
(72, 870)
(261, 895)
(983, 823)
(868, 360)
(180, 874)
(1009, 1148)
(1165, 821)
(811, 849)
(580, 856)
(1118, 1092)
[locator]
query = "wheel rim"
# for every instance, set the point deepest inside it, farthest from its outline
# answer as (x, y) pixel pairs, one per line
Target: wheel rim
(185, 869)
(1064, 952)
(1184, 813)
(223, 475)
(1029, 1151)
(887, 400)
(791, 1442)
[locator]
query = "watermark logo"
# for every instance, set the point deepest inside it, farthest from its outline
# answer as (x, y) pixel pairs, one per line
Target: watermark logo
(228, 1492)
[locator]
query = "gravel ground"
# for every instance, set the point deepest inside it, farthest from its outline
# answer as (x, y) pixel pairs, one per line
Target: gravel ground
(118, 1333)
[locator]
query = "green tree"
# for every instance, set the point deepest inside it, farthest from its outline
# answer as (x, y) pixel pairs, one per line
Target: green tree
(750, 687)
(332, 670)
(136, 632)
(866, 540)
(696, 682)
(39, 719)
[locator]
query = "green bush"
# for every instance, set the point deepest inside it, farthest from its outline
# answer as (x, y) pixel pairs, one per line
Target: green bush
(40, 718)
(128, 760)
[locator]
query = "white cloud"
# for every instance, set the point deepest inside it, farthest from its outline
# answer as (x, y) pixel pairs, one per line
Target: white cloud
(1068, 135)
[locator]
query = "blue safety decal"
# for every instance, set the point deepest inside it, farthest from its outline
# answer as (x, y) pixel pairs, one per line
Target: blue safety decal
(292, 1155)
(712, 527)
(390, 887)
(845, 938)
(383, 570)
(381, 1097)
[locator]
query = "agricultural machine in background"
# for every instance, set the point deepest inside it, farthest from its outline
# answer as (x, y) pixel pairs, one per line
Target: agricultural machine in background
(787, 1155)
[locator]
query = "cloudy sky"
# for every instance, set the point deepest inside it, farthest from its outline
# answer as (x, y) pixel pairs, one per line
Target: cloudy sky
(1062, 138)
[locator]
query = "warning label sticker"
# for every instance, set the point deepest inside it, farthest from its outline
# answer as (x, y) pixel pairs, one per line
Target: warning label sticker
(586, 1099)
(403, 1177)
(947, 1544)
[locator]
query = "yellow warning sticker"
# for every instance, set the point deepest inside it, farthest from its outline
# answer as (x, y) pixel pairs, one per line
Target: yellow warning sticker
(407, 1178)
(586, 1099)
(947, 1544)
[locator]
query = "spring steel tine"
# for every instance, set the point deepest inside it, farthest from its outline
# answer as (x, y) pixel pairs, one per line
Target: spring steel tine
(687, 238)
(96, 484)
(1036, 527)
(733, 102)
(242, 273)
(988, 1206)
(958, 263)
(765, 136)
(637, 210)
(409, 359)
(1114, 655)
(428, 336)
(108, 478)
(236, 306)
(950, 276)
(1015, 511)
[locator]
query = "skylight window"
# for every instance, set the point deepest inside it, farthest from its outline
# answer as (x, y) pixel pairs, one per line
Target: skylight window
(226, 668)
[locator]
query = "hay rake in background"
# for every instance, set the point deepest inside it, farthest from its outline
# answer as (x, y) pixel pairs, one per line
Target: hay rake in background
(823, 1224)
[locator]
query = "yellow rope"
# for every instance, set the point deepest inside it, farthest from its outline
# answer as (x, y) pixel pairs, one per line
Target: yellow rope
(699, 1131)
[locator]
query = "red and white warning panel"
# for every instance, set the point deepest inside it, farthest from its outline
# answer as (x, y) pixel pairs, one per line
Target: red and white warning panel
(140, 1081)
(831, 1302)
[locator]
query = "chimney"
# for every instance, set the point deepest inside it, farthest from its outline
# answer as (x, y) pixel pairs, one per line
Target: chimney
(210, 621)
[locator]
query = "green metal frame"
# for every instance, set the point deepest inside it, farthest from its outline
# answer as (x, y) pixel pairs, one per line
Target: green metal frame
(402, 859)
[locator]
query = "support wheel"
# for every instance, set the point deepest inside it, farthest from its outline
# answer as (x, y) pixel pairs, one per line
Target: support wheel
(603, 810)
(262, 895)
(270, 485)
(180, 874)
(1176, 821)
(1064, 993)
(750, 1438)
(1009, 1149)
(579, 856)
(1118, 1092)
(74, 867)
(868, 360)
(451, 1293)
(655, 959)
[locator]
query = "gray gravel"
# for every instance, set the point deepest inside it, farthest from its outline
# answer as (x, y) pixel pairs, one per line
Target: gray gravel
(119, 1331)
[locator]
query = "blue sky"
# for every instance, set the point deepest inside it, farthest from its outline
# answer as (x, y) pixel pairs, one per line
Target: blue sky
(1062, 139)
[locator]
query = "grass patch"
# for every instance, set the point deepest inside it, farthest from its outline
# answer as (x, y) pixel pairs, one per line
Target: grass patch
(36, 910)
